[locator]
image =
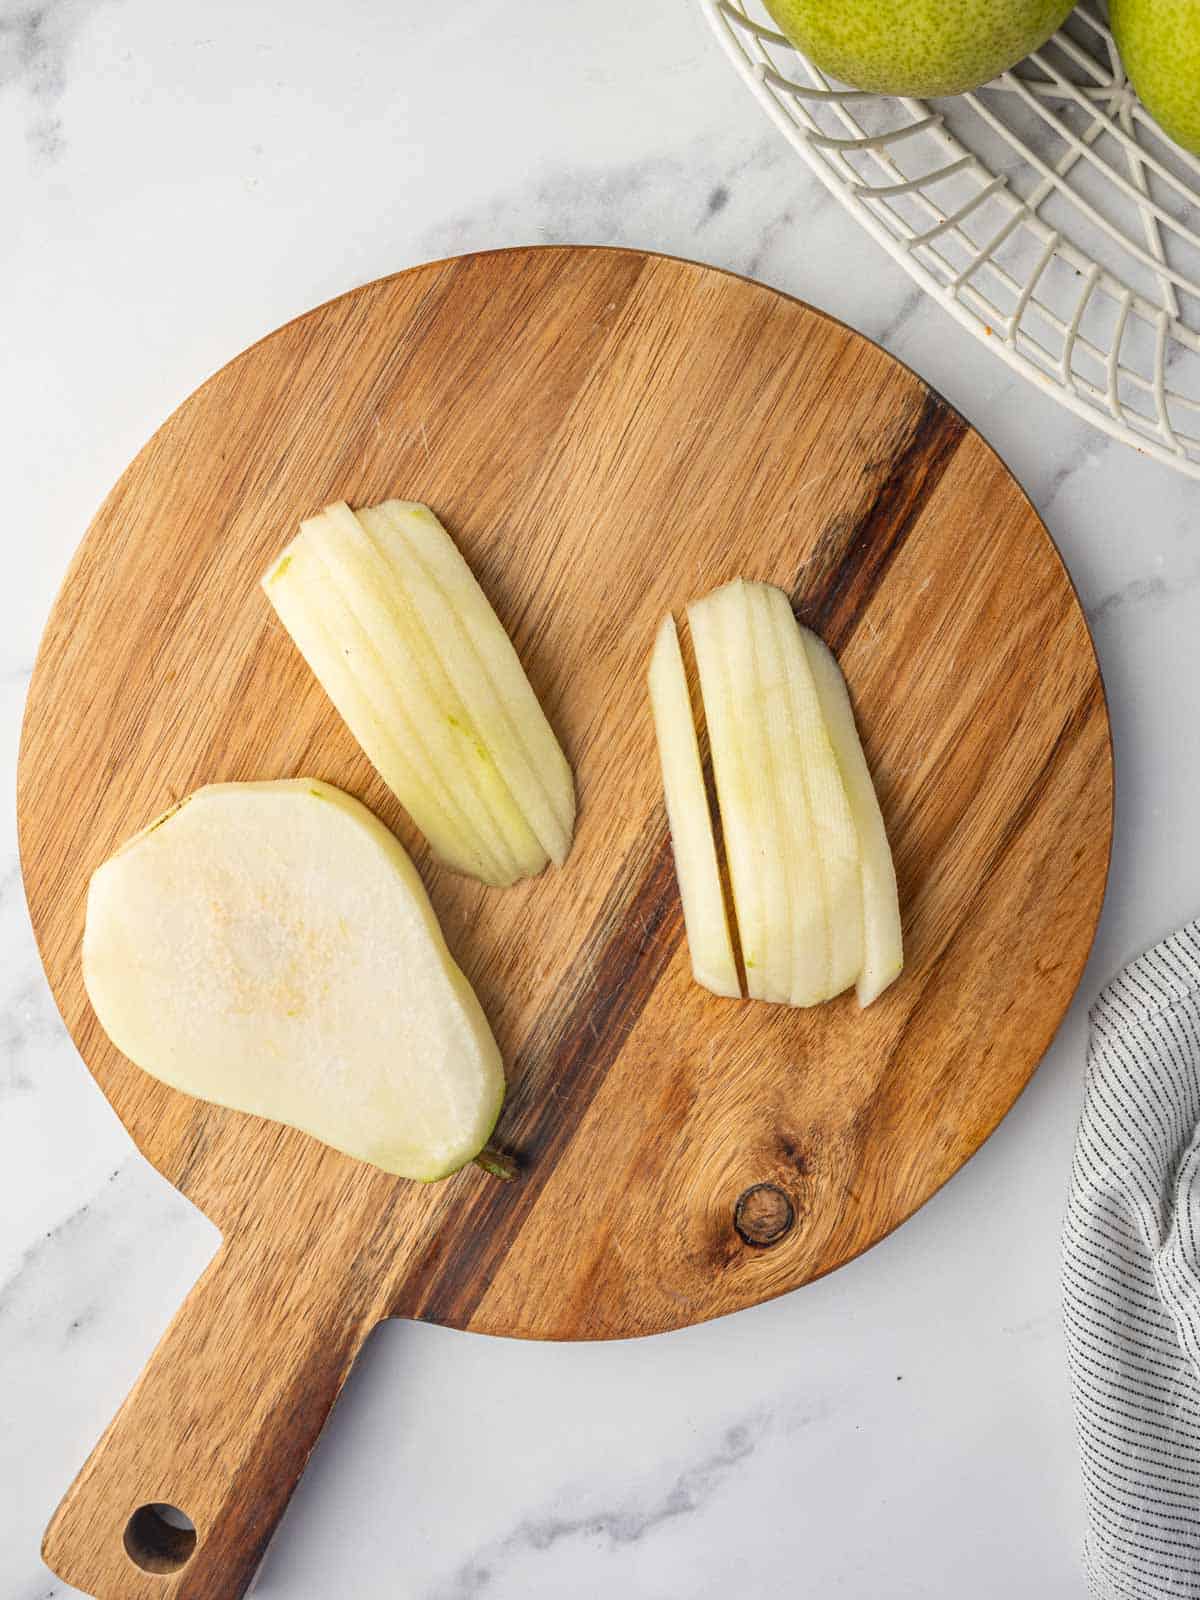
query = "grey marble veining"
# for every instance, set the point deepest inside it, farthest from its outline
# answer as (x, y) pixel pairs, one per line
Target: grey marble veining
(36, 43)
(623, 1524)
(659, 202)
(184, 181)
(1146, 594)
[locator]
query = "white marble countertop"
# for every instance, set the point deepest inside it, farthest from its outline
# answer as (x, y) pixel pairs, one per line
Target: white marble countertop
(177, 181)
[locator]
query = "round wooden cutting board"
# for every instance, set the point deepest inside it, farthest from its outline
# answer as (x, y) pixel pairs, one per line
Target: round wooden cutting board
(607, 434)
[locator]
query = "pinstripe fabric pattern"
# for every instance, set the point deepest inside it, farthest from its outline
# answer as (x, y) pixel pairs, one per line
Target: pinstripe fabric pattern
(1131, 1278)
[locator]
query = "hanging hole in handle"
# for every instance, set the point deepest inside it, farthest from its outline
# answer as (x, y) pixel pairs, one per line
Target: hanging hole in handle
(160, 1538)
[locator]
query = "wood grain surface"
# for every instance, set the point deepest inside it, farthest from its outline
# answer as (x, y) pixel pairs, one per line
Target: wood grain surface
(607, 434)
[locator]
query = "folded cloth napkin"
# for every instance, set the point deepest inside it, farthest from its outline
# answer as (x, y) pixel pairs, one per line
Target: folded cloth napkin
(1131, 1278)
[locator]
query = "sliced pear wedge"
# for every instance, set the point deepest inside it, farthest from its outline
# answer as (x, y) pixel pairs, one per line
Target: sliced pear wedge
(811, 873)
(407, 646)
(404, 652)
(883, 944)
(269, 947)
(704, 916)
(344, 661)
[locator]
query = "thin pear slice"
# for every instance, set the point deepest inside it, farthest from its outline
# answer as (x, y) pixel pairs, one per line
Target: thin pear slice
(704, 916)
(480, 660)
(883, 944)
(733, 711)
(269, 947)
(409, 657)
(805, 943)
(763, 726)
(828, 807)
(336, 648)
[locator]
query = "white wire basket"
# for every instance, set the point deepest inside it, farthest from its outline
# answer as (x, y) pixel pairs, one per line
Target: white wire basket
(1046, 211)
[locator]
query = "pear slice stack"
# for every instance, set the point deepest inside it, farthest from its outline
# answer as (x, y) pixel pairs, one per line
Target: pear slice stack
(812, 884)
(391, 620)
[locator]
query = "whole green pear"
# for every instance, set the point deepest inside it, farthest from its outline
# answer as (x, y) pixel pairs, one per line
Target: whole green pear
(919, 47)
(1159, 41)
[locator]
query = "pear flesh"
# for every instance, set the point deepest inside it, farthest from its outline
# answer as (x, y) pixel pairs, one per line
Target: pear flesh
(792, 846)
(390, 618)
(269, 947)
(810, 780)
(453, 609)
(705, 920)
(813, 886)
(741, 790)
(882, 941)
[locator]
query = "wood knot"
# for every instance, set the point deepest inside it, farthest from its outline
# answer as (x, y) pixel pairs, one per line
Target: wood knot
(763, 1215)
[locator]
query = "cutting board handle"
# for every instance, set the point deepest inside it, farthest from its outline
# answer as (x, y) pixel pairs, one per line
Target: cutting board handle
(218, 1426)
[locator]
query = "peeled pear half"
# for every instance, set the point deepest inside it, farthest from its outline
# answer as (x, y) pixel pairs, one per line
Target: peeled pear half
(269, 947)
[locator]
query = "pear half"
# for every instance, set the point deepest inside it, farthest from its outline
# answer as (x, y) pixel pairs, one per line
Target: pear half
(391, 620)
(269, 947)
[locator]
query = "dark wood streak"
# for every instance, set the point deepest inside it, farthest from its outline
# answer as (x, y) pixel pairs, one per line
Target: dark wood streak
(851, 562)
(638, 929)
(570, 1050)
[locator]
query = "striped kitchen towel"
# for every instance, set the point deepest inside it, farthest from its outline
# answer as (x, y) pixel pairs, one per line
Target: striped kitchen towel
(1131, 1278)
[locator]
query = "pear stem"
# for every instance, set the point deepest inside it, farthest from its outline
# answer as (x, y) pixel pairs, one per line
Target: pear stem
(497, 1164)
